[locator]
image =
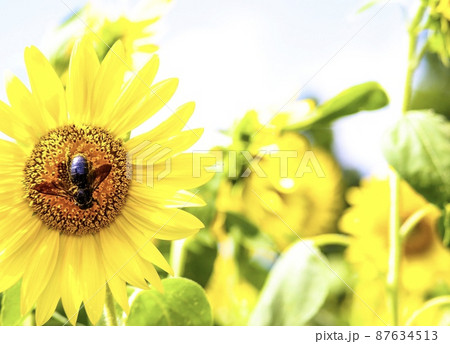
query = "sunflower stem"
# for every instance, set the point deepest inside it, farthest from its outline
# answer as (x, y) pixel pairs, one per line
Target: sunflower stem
(59, 317)
(395, 239)
(413, 57)
(177, 257)
(394, 247)
(110, 309)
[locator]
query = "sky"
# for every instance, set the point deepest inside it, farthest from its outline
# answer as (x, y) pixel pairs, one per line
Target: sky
(237, 55)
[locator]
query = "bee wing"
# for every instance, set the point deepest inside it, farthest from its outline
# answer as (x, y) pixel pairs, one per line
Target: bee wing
(99, 175)
(52, 189)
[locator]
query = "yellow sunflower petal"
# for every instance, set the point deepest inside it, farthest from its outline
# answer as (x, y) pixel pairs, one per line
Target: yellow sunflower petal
(174, 124)
(13, 260)
(111, 73)
(12, 197)
(71, 296)
(92, 275)
(18, 227)
(26, 107)
(12, 154)
(164, 198)
(165, 224)
(40, 268)
(139, 111)
(184, 171)
(12, 270)
(164, 148)
(82, 71)
(11, 178)
(46, 84)
(10, 123)
(136, 89)
(170, 127)
(152, 276)
(48, 300)
(144, 246)
(119, 290)
(121, 259)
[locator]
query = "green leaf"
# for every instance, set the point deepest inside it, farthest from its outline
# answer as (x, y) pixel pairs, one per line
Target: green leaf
(10, 314)
(418, 147)
(296, 287)
(183, 302)
(364, 97)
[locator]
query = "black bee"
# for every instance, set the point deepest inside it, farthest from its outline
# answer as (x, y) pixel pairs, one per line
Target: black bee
(77, 181)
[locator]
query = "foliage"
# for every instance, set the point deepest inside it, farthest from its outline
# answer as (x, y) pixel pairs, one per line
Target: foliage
(418, 147)
(296, 288)
(183, 303)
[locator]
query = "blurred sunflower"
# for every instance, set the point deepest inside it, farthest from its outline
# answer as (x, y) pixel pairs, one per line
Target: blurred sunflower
(305, 190)
(134, 26)
(61, 242)
(424, 261)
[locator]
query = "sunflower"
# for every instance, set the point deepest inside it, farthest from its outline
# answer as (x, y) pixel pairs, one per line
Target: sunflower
(308, 199)
(61, 237)
(424, 261)
(135, 27)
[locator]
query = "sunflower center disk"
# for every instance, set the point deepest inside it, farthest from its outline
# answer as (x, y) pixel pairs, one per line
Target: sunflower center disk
(76, 179)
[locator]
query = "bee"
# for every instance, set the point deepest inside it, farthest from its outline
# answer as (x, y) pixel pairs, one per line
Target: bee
(77, 181)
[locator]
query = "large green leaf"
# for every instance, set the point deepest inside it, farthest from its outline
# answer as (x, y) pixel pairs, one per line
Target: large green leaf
(364, 97)
(418, 147)
(183, 302)
(296, 287)
(10, 313)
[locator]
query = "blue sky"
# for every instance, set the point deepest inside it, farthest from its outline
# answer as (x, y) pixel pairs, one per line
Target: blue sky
(235, 55)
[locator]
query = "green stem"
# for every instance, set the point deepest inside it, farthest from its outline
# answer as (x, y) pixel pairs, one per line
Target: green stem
(413, 59)
(177, 257)
(331, 239)
(413, 220)
(61, 318)
(110, 309)
(395, 247)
